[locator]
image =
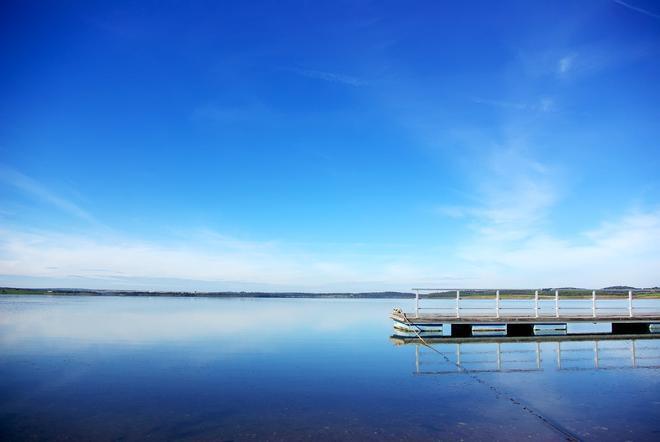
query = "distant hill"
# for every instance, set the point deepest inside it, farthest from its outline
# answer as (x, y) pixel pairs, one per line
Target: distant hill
(565, 291)
(92, 292)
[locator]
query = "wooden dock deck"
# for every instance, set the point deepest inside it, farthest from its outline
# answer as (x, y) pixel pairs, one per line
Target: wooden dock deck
(430, 318)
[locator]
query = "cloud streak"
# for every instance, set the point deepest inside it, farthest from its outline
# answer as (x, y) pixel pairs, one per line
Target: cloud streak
(637, 9)
(545, 104)
(329, 77)
(37, 191)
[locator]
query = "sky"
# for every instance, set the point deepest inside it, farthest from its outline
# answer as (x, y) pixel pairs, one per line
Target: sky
(329, 146)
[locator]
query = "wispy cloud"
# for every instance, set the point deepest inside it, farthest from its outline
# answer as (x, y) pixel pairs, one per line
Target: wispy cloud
(204, 260)
(566, 63)
(589, 60)
(247, 110)
(637, 9)
(36, 190)
(617, 251)
(514, 194)
(511, 241)
(578, 61)
(545, 104)
(329, 76)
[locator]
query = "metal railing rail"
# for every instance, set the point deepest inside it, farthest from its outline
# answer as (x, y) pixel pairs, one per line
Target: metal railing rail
(536, 310)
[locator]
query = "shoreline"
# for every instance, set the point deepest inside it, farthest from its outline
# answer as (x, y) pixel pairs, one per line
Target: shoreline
(466, 294)
(168, 294)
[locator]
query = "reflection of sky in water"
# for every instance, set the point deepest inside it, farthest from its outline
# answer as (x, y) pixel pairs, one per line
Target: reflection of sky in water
(198, 368)
(163, 320)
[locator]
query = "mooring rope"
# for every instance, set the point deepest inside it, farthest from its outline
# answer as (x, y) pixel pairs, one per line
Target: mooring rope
(498, 393)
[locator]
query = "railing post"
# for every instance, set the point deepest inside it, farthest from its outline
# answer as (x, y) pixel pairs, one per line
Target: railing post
(556, 303)
(458, 297)
(417, 303)
(536, 304)
(593, 303)
(497, 304)
(630, 310)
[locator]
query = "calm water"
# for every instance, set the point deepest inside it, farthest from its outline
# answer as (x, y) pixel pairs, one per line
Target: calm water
(83, 368)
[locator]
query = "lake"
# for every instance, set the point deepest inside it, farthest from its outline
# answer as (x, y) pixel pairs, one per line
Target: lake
(108, 368)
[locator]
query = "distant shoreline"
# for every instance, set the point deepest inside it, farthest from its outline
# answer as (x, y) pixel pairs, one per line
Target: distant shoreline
(473, 294)
(182, 294)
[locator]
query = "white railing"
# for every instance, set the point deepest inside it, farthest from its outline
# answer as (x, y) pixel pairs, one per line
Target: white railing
(523, 307)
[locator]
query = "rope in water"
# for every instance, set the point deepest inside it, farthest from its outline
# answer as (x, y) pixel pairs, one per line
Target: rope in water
(546, 421)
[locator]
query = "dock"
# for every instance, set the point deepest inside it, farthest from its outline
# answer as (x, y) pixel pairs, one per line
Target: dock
(488, 313)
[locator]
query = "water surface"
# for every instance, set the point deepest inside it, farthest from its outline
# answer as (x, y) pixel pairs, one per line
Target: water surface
(108, 368)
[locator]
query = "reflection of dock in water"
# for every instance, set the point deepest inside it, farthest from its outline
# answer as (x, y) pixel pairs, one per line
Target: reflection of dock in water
(506, 355)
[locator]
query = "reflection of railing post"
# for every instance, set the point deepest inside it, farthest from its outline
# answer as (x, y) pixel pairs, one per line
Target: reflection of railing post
(593, 303)
(533, 357)
(536, 304)
(596, 354)
(458, 356)
(559, 355)
(497, 304)
(417, 303)
(630, 310)
(458, 297)
(556, 303)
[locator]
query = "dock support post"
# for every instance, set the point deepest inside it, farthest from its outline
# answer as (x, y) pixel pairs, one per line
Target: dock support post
(458, 297)
(556, 303)
(536, 304)
(497, 304)
(417, 303)
(630, 310)
(593, 303)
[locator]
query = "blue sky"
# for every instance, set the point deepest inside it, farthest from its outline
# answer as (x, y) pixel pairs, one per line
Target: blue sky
(329, 145)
